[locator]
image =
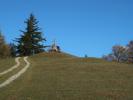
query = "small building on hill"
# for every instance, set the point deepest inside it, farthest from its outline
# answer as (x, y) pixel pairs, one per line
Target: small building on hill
(54, 48)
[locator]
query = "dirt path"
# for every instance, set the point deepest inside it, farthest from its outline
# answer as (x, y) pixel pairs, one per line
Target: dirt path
(17, 75)
(12, 68)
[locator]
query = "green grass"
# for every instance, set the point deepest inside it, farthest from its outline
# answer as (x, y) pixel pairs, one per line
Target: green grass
(6, 76)
(6, 63)
(65, 77)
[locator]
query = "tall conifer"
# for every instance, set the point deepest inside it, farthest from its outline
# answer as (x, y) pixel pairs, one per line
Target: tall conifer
(30, 42)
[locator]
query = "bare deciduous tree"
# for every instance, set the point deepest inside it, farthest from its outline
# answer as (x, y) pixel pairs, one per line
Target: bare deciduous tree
(119, 52)
(130, 51)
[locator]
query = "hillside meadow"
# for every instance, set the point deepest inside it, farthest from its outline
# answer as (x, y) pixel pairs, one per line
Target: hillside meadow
(60, 76)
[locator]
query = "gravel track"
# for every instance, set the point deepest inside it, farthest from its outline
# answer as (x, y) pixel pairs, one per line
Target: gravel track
(17, 75)
(12, 68)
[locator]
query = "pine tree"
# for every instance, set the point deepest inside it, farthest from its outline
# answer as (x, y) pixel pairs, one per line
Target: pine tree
(13, 50)
(31, 41)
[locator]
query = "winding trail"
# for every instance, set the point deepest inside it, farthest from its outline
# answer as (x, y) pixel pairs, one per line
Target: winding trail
(17, 75)
(12, 68)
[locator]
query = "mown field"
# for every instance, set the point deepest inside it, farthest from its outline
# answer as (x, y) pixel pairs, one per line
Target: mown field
(64, 77)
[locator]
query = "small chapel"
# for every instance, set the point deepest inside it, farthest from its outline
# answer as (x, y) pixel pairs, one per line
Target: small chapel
(54, 48)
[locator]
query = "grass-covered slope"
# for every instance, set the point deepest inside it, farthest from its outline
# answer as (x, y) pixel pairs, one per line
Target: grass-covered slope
(6, 63)
(58, 76)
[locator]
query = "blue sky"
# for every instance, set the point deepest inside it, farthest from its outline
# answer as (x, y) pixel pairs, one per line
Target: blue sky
(80, 27)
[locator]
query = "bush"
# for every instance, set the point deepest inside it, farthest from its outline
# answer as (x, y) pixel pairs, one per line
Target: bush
(4, 51)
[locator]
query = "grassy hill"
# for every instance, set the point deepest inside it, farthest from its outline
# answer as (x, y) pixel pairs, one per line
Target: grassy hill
(65, 77)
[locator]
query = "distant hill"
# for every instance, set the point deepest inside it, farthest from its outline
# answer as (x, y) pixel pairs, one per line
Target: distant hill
(62, 76)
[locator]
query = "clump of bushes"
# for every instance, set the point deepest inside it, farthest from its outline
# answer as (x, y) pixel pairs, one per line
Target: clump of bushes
(121, 53)
(4, 48)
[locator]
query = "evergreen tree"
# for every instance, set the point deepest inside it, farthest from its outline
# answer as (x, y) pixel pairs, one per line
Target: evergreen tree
(13, 50)
(31, 41)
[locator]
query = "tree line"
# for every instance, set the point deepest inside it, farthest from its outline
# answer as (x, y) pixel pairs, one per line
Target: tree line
(121, 53)
(30, 42)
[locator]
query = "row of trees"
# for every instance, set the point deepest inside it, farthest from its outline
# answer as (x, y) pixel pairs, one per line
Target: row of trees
(121, 53)
(29, 43)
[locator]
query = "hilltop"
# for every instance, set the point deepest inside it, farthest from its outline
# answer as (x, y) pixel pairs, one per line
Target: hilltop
(61, 76)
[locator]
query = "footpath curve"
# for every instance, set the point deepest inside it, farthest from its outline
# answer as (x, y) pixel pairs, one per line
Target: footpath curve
(17, 75)
(12, 68)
